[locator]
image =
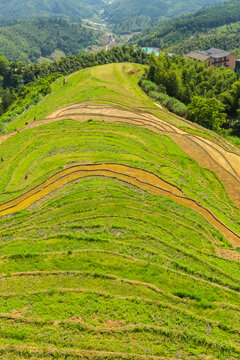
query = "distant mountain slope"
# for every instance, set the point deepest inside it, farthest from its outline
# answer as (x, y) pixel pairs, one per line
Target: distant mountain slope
(22, 9)
(225, 37)
(135, 15)
(173, 31)
(30, 40)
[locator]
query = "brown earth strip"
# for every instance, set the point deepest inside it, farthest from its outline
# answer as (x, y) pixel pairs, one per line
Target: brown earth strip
(228, 254)
(208, 154)
(141, 178)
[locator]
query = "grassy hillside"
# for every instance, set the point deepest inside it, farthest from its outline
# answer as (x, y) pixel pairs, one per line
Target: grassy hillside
(115, 242)
(30, 40)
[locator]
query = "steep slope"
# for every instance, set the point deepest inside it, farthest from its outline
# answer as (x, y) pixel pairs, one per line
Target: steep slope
(28, 9)
(224, 37)
(115, 243)
(176, 30)
(128, 16)
(30, 40)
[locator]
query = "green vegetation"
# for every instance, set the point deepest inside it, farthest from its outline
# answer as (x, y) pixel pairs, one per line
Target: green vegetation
(171, 103)
(174, 31)
(29, 9)
(30, 40)
(19, 83)
(210, 94)
(207, 112)
(28, 96)
(224, 37)
(100, 268)
(128, 16)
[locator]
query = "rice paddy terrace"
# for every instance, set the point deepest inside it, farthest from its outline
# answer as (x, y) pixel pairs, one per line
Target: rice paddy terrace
(119, 228)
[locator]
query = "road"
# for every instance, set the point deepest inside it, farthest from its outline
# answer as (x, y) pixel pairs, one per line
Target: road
(112, 42)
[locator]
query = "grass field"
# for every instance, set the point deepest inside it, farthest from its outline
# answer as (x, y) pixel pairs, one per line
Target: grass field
(115, 242)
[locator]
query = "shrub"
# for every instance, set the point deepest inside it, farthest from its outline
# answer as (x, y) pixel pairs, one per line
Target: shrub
(148, 86)
(185, 294)
(158, 93)
(205, 304)
(170, 103)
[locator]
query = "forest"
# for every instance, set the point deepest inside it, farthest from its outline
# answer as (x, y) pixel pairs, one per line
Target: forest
(127, 16)
(208, 96)
(226, 37)
(30, 9)
(33, 30)
(174, 31)
(29, 40)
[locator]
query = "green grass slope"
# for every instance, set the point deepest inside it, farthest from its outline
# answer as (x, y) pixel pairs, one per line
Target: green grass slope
(101, 268)
(110, 83)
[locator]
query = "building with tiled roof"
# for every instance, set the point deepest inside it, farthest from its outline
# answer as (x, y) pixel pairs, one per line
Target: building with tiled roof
(215, 57)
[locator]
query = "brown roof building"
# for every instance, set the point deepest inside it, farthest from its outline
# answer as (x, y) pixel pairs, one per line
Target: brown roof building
(215, 57)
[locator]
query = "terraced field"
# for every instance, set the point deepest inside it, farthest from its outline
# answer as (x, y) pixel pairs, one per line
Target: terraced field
(119, 228)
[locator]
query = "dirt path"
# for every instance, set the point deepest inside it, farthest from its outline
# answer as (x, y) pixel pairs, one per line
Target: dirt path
(141, 178)
(207, 153)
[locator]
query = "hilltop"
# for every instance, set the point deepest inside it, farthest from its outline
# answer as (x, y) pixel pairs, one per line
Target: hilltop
(120, 227)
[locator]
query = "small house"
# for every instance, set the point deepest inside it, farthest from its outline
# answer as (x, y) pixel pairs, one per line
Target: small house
(215, 57)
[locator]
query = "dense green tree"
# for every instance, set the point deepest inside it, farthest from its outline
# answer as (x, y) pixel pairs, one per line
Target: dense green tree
(184, 78)
(208, 112)
(211, 93)
(3, 66)
(8, 97)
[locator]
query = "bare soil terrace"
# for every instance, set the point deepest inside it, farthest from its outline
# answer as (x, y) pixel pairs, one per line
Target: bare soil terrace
(208, 154)
(141, 178)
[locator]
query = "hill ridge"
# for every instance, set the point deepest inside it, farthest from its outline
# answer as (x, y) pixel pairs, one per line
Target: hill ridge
(104, 260)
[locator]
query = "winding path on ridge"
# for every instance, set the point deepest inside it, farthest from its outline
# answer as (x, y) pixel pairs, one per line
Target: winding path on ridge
(141, 178)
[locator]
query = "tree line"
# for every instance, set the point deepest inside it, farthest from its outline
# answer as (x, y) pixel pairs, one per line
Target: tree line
(23, 85)
(210, 96)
